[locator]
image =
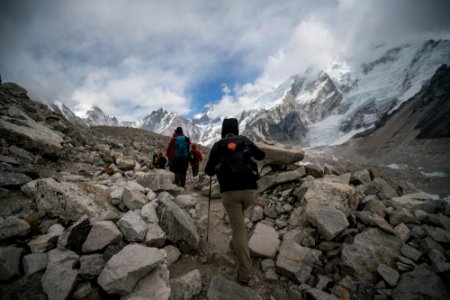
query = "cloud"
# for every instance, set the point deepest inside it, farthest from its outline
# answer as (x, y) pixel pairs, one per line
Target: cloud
(130, 57)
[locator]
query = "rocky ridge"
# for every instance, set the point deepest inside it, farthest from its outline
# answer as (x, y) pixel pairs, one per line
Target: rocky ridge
(84, 218)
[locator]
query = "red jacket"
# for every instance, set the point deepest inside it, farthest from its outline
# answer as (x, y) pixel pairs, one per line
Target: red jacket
(197, 153)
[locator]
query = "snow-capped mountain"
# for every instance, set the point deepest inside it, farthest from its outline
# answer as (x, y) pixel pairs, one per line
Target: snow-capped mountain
(66, 112)
(163, 122)
(95, 117)
(317, 107)
(328, 107)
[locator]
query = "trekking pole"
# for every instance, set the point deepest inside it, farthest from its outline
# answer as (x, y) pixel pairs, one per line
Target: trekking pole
(209, 207)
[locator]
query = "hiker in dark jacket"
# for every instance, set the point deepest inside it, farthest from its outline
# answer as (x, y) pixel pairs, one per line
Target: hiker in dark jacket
(231, 159)
(178, 153)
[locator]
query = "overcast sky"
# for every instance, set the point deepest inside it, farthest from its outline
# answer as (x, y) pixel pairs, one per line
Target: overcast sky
(133, 57)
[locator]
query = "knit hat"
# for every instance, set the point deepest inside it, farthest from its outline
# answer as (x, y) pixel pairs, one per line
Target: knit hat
(179, 130)
(230, 126)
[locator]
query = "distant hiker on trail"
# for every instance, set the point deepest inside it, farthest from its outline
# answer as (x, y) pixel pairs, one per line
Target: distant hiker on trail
(178, 152)
(232, 160)
(161, 161)
(155, 161)
(195, 157)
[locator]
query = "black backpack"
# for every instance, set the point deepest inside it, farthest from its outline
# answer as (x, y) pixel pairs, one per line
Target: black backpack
(236, 159)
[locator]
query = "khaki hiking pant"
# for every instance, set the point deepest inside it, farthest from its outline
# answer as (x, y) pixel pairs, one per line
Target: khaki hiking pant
(235, 203)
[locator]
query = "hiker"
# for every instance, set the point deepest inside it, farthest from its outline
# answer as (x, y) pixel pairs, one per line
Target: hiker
(232, 159)
(161, 161)
(195, 157)
(178, 151)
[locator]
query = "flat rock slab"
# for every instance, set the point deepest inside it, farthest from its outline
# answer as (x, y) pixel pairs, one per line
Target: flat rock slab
(369, 249)
(269, 181)
(389, 274)
(34, 262)
(221, 288)
(102, 234)
(127, 267)
(132, 227)
(154, 286)
(280, 154)
(329, 221)
(186, 286)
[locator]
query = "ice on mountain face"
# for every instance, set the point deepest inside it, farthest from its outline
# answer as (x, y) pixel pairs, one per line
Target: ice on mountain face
(434, 174)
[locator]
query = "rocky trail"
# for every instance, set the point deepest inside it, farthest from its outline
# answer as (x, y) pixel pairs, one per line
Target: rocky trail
(83, 217)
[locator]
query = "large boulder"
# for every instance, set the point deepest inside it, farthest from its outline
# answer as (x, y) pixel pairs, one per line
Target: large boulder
(148, 213)
(264, 241)
(126, 163)
(369, 249)
(70, 201)
(269, 181)
(73, 237)
(296, 262)
(381, 188)
(59, 278)
(102, 234)
(177, 223)
(281, 154)
(155, 236)
(329, 221)
(321, 194)
(132, 227)
(153, 286)
(186, 286)
(127, 267)
(221, 288)
(13, 180)
(91, 266)
(34, 262)
(134, 195)
(422, 283)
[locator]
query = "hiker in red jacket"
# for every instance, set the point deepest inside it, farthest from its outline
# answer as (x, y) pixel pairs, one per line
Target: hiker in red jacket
(178, 154)
(161, 161)
(195, 157)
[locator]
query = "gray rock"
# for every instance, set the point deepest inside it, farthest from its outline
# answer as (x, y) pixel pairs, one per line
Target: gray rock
(298, 217)
(132, 227)
(58, 281)
(280, 154)
(186, 286)
(296, 262)
(375, 207)
(428, 244)
(422, 281)
(60, 265)
(317, 294)
(267, 264)
(389, 275)
(34, 262)
(9, 262)
(91, 266)
(155, 236)
(329, 170)
(257, 213)
(69, 202)
(271, 212)
(438, 220)
(155, 286)
(324, 194)
(116, 195)
(74, 236)
(13, 227)
(127, 267)
(158, 180)
(403, 232)
(269, 181)
(402, 216)
(369, 249)
(438, 234)
(102, 234)
(314, 170)
(410, 252)
(4, 193)
(329, 221)
(172, 254)
(295, 235)
(186, 201)
(177, 224)
(148, 213)
(264, 241)
(83, 291)
(47, 241)
(440, 262)
(134, 195)
(29, 188)
(22, 153)
(380, 188)
(271, 275)
(125, 163)
(360, 177)
(322, 282)
(222, 289)
(13, 180)
(375, 221)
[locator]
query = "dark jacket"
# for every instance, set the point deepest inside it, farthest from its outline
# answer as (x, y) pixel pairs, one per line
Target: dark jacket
(233, 183)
